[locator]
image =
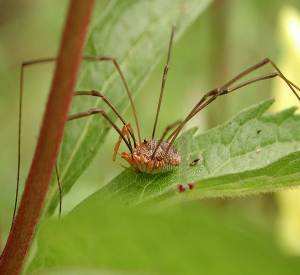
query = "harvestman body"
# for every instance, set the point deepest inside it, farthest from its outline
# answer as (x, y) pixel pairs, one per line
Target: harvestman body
(150, 155)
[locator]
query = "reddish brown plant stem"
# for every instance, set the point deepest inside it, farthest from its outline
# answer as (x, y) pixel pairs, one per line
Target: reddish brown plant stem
(51, 133)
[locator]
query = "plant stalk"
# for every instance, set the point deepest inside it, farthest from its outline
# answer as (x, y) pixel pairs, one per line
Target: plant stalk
(50, 137)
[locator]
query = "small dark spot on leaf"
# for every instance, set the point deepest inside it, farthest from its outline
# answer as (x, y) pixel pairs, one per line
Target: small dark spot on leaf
(191, 185)
(258, 131)
(194, 162)
(181, 188)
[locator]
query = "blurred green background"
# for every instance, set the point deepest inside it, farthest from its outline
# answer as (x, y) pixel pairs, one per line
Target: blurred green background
(229, 36)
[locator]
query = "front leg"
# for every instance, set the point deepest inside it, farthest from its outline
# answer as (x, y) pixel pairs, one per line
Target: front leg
(126, 132)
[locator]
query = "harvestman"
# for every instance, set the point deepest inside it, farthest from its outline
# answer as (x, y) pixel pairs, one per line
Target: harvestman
(150, 155)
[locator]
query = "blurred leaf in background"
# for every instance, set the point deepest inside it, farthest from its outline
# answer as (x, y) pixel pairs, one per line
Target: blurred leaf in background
(288, 201)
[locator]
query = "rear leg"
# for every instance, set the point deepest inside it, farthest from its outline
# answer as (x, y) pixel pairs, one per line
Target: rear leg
(228, 88)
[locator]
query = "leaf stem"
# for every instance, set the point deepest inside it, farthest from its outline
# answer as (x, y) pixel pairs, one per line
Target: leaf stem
(51, 133)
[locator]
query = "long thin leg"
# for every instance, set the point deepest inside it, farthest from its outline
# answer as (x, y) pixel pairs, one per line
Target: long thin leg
(20, 114)
(213, 94)
(163, 81)
(94, 111)
(246, 83)
(47, 60)
(59, 188)
(72, 117)
(125, 131)
(108, 102)
(224, 90)
(100, 59)
(264, 62)
(118, 68)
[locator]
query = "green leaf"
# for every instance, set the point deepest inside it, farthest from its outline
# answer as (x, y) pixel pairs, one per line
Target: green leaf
(82, 271)
(137, 48)
(186, 239)
(252, 153)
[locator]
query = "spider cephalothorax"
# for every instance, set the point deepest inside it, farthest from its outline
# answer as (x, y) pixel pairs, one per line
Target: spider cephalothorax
(148, 158)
